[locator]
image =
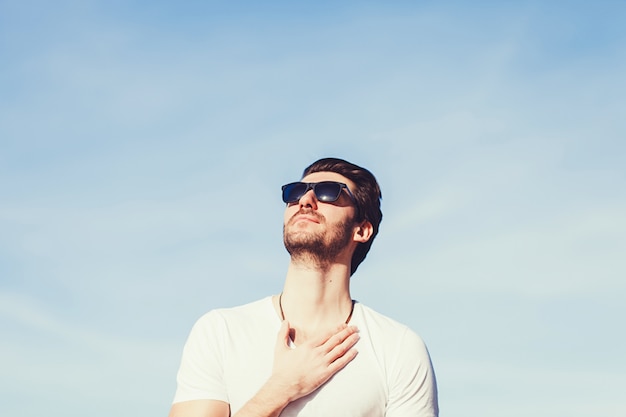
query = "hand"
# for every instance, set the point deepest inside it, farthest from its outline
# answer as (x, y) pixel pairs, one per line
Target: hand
(301, 370)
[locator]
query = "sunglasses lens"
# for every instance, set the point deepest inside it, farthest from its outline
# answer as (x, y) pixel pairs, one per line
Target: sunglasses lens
(294, 191)
(327, 191)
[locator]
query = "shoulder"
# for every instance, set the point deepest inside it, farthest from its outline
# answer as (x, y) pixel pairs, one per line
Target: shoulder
(389, 332)
(385, 323)
(251, 318)
(404, 363)
(255, 309)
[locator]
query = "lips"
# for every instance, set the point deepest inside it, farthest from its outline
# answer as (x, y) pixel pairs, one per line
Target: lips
(306, 216)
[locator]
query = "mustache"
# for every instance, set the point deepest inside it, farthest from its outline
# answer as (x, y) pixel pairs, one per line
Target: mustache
(307, 212)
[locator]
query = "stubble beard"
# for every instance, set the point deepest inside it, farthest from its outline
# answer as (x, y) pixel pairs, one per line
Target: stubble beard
(317, 249)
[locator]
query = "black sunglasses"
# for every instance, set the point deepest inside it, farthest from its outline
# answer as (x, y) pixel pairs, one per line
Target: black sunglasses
(325, 191)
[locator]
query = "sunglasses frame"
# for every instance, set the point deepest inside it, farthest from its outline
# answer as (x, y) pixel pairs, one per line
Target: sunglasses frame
(312, 185)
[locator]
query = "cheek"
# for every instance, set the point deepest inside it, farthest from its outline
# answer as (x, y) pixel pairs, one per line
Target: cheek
(289, 213)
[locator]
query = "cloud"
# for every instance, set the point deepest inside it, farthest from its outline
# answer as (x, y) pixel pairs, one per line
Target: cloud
(143, 149)
(580, 253)
(101, 367)
(539, 390)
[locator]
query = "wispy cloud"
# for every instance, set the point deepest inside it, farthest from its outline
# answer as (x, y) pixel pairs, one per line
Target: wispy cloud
(143, 147)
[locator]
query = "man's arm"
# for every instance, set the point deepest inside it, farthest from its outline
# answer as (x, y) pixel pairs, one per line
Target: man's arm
(296, 373)
(200, 408)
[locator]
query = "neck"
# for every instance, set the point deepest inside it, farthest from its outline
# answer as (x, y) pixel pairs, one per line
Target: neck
(282, 312)
(315, 300)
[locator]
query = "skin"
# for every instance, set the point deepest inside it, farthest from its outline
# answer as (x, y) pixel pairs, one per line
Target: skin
(316, 297)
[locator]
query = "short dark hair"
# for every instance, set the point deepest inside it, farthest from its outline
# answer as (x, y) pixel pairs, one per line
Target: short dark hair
(367, 195)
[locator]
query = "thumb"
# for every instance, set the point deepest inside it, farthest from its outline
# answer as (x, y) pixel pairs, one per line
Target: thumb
(283, 334)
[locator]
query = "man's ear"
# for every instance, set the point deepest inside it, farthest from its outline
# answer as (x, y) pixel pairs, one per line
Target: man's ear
(363, 232)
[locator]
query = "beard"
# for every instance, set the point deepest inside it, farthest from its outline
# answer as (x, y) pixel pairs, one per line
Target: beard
(319, 248)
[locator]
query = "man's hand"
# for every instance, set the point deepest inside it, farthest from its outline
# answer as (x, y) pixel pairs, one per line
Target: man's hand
(298, 372)
(302, 370)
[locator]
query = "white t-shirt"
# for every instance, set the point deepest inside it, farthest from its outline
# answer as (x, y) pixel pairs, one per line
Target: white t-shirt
(229, 355)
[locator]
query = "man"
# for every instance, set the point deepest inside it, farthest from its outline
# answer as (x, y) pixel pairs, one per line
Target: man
(295, 354)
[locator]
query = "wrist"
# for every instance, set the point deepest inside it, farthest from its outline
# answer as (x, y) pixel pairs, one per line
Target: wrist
(269, 401)
(281, 391)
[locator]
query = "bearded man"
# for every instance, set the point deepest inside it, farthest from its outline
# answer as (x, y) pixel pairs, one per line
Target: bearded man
(311, 351)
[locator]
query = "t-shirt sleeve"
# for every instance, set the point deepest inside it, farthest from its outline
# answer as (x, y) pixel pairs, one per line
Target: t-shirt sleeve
(412, 384)
(200, 376)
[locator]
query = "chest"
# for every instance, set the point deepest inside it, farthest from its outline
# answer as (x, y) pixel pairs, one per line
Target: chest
(359, 389)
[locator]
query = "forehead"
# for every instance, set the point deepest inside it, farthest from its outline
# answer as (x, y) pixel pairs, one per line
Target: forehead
(329, 176)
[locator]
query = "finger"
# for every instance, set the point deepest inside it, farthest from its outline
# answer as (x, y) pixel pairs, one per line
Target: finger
(330, 334)
(340, 363)
(283, 334)
(342, 348)
(339, 338)
(324, 338)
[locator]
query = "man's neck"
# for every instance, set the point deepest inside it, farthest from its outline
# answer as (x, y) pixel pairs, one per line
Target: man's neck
(315, 300)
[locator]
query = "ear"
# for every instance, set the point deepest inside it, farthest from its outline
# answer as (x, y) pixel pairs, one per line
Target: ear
(363, 232)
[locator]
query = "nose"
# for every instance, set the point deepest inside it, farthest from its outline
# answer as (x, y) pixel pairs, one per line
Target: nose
(308, 200)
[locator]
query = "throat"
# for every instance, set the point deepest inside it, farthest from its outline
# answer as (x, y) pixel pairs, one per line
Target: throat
(300, 332)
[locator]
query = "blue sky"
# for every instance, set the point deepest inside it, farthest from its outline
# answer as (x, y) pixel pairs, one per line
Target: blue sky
(143, 145)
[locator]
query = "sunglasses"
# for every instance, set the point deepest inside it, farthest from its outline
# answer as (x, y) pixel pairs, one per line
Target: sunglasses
(325, 191)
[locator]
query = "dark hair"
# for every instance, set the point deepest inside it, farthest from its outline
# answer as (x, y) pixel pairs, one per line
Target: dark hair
(367, 195)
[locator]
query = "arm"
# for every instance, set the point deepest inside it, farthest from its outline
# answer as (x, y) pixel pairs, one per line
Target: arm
(296, 373)
(200, 408)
